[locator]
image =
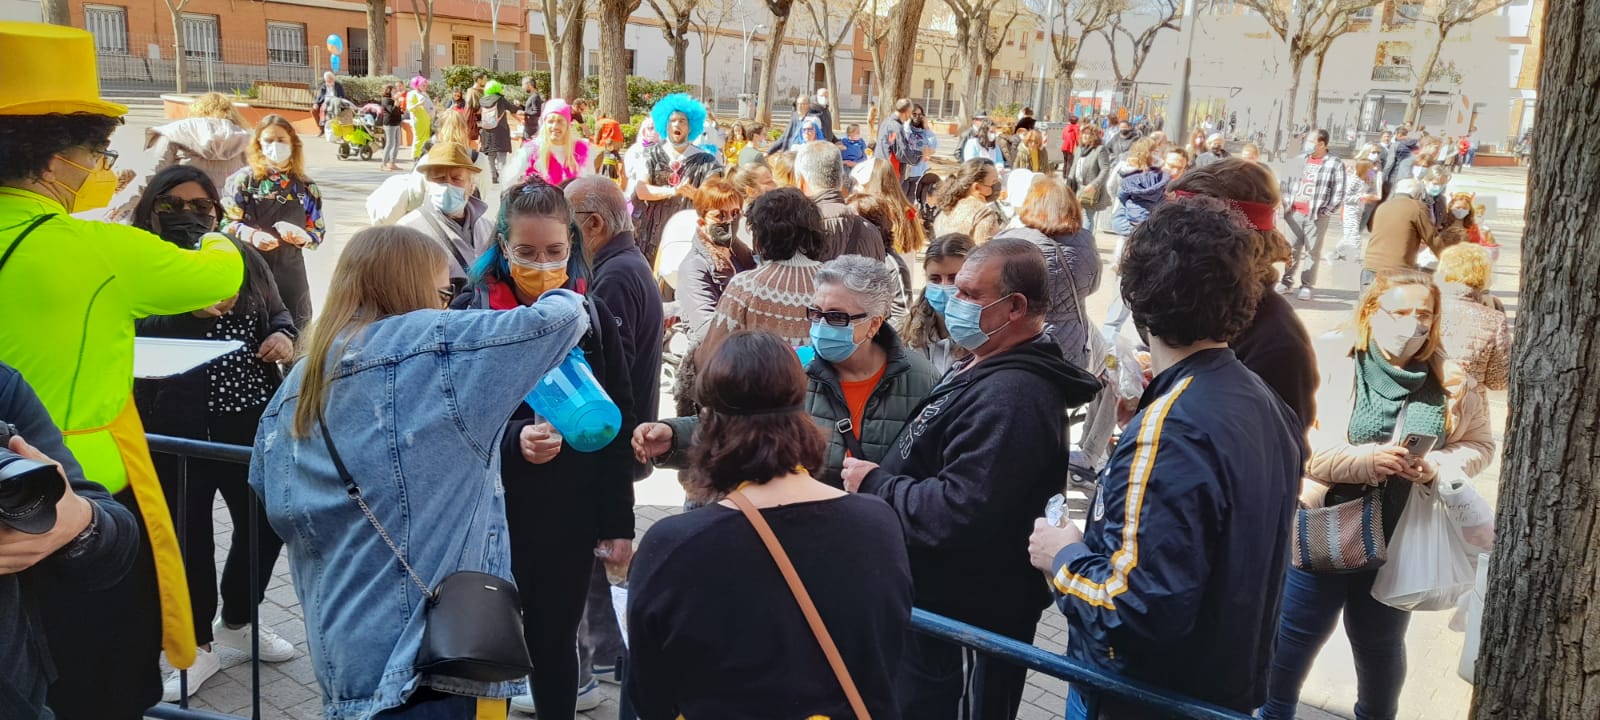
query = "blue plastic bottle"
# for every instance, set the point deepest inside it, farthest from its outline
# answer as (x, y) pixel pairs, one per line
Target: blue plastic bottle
(575, 404)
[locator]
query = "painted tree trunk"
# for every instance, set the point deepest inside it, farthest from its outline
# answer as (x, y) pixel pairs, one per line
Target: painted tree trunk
(1541, 625)
(56, 12)
(572, 53)
(678, 61)
(178, 63)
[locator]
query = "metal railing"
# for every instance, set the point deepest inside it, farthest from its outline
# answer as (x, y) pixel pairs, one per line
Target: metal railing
(991, 647)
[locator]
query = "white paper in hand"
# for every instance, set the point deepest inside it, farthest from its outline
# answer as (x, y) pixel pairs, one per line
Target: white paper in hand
(619, 605)
(156, 358)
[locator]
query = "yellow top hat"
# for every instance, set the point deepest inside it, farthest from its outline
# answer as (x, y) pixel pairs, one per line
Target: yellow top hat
(47, 69)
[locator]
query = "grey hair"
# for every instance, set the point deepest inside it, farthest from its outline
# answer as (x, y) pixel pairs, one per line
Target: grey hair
(820, 164)
(1407, 186)
(873, 283)
(599, 195)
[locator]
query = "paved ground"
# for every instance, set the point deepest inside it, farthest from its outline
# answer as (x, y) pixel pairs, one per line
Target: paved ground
(1433, 691)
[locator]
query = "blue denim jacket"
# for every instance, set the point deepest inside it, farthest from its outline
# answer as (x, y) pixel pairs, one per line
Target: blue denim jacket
(416, 405)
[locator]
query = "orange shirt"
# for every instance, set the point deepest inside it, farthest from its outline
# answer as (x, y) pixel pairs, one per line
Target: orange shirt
(856, 395)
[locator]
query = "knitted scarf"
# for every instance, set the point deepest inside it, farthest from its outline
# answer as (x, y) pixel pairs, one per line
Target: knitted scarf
(1383, 389)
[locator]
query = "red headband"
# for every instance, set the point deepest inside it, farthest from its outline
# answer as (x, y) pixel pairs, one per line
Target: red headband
(1262, 216)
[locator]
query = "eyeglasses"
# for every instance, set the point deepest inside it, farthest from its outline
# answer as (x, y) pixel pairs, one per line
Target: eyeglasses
(1424, 316)
(722, 216)
(170, 204)
(108, 157)
(836, 318)
(449, 292)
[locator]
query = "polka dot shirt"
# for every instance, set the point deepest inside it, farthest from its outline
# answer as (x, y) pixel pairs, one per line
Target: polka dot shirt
(239, 380)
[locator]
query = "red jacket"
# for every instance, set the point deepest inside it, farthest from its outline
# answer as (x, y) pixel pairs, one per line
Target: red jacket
(1069, 137)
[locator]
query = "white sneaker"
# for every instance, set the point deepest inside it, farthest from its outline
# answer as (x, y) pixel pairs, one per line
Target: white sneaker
(273, 648)
(206, 664)
(523, 704)
(606, 674)
(589, 696)
(1305, 294)
(1283, 289)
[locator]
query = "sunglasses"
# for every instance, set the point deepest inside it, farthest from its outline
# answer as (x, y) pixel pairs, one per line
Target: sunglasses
(169, 204)
(836, 318)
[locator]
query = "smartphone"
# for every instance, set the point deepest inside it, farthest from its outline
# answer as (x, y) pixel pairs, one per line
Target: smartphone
(1418, 444)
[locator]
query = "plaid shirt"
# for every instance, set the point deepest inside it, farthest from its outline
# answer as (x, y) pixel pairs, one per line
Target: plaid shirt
(1327, 197)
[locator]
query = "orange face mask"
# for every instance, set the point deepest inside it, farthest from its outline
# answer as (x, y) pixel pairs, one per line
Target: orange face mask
(538, 278)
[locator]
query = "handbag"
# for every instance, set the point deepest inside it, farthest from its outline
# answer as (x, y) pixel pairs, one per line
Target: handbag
(1343, 538)
(808, 608)
(472, 623)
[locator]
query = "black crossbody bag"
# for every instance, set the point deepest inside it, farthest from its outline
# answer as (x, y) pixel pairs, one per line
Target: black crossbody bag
(472, 626)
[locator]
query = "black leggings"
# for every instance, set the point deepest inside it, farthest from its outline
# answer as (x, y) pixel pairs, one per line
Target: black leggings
(550, 560)
(191, 513)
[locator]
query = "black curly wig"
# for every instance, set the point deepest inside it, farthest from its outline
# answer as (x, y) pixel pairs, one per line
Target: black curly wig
(27, 142)
(1187, 274)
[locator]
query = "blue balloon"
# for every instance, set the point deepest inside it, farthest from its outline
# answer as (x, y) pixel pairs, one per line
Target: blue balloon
(333, 63)
(335, 44)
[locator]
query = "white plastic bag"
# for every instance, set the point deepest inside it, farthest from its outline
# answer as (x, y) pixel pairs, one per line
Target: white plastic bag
(1474, 621)
(1470, 512)
(1428, 567)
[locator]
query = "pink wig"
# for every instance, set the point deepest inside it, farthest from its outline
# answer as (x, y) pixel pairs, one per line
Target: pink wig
(558, 107)
(418, 82)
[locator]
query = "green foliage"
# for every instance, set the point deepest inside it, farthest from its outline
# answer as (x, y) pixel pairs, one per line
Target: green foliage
(460, 76)
(642, 92)
(1005, 113)
(364, 89)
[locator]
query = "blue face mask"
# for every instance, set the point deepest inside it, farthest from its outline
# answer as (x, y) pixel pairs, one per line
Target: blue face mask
(964, 320)
(1435, 190)
(834, 344)
(937, 296)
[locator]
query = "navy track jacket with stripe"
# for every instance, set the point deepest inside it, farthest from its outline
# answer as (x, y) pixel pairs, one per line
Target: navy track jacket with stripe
(1180, 575)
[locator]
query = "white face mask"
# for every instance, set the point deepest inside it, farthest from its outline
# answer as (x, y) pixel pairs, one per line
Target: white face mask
(449, 199)
(1400, 337)
(278, 153)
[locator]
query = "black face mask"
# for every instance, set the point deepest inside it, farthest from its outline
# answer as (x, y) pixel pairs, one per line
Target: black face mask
(1127, 133)
(184, 228)
(918, 122)
(721, 233)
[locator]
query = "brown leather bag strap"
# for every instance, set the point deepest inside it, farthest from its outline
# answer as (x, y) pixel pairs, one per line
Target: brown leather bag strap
(808, 608)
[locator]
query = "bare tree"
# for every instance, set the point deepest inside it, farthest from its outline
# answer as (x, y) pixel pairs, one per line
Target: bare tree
(833, 22)
(56, 12)
(1302, 25)
(1541, 623)
(422, 10)
(947, 57)
(1452, 14)
(769, 67)
(377, 37)
(175, 7)
(613, 53)
(675, 19)
(898, 50)
(1319, 55)
(1089, 16)
(1161, 14)
(563, 43)
(975, 31)
(709, 17)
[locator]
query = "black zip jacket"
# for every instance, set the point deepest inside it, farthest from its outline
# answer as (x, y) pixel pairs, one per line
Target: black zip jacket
(623, 281)
(970, 473)
(101, 562)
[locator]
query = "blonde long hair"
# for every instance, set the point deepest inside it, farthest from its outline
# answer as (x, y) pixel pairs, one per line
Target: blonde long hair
(1385, 281)
(545, 150)
(259, 167)
(382, 272)
(904, 222)
(452, 127)
(216, 105)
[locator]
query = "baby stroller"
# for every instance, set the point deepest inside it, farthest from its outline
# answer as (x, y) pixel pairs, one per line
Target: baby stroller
(355, 134)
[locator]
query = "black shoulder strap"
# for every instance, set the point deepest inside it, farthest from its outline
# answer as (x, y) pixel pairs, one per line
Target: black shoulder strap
(338, 462)
(844, 426)
(26, 231)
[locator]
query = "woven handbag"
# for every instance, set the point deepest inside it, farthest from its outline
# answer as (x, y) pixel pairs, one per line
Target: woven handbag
(1343, 538)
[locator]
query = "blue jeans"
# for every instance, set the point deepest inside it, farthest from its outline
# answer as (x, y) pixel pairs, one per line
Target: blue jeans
(1312, 604)
(1076, 709)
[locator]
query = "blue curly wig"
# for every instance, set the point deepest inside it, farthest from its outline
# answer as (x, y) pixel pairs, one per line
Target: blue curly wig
(691, 108)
